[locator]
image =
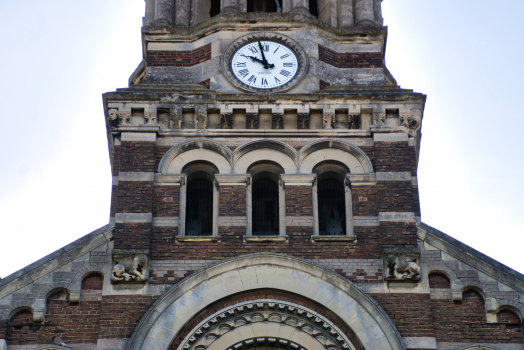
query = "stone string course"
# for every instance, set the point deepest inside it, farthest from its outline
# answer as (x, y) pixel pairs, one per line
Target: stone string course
(349, 59)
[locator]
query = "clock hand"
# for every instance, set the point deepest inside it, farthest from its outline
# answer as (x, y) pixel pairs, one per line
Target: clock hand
(266, 64)
(254, 59)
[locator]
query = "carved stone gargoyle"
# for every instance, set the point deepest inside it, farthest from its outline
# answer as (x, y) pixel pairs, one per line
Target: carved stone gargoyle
(401, 266)
(130, 268)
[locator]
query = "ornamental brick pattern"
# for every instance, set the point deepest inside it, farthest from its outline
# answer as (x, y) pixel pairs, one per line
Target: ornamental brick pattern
(179, 58)
(350, 59)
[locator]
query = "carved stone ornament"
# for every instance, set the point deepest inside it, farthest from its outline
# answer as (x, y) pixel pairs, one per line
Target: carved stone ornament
(150, 117)
(403, 266)
(277, 121)
(201, 117)
(252, 120)
(130, 268)
(379, 118)
(114, 118)
(226, 58)
(412, 121)
(125, 117)
(354, 121)
(303, 121)
(258, 318)
(175, 117)
(226, 120)
(329, 120)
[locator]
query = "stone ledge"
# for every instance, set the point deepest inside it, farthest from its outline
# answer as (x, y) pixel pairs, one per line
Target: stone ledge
(197, 238)
(139, 132)
(334, 238)
(265, 238)
(397, 216)
(420, 342)
(133, 217)
(393, 176)
(136, 176)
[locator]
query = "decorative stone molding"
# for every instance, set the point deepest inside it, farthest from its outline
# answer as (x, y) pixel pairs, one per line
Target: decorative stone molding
(150, 117)
(175, 117)
(130, 267)
(303, 121)
(124, 117)
(252, 120)
(393, 176)
(114, 118)
(328, 120)
(226, 120)
(177, 307)
(281, 238)
(266, 321)
(401, 265)
(354, 121)
(412, 120)
(133, 217)
(277, 121)
(379, 118)
(362, 179)
(334, 238)
(197, 239)
(201, 117)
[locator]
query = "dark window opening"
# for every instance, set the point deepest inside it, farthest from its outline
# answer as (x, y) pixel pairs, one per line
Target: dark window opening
(264, 6)
(313, 8)
(199, 207)
(331, 207)
(215, 8)
(265, 207)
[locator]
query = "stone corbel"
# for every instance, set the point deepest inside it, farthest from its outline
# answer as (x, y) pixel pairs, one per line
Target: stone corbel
(232, 179)
(362, 179)
(492, 307)
(169, 179)
(150, 117)
(38, 310)
(74, 296)
(298, 179)
(175, 117)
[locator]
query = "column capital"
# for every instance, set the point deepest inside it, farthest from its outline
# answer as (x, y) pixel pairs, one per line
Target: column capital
(362, 179)
(298, 179)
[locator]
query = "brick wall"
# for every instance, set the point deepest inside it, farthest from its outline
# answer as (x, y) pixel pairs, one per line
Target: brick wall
(393, 156)
(364, 200)
(395, 196)
(411, 313)
(134, 197)
(137, 156)
(466, 322)
(398, 234)
(179, 58)
(121, 313)
(166, 200)
(350, 59)
(132, 235)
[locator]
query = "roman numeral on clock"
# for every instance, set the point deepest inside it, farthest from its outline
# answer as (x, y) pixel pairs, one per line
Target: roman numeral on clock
(253, 49)
(243, 72)
(277, 80)
(265, 47)
(288, 64)
(242, 64)
(285, 73)
(284, 56)
(252, 79)
(264, 81)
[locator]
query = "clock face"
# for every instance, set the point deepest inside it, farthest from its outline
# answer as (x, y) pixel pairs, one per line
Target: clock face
(264, 64)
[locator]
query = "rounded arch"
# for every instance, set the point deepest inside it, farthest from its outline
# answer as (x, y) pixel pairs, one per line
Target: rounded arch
(353, 157)
(169, 314)
(260, 150)
(20, 310)
(196, 150)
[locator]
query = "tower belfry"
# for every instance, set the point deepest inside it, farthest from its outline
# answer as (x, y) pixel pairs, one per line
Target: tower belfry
(265, 195)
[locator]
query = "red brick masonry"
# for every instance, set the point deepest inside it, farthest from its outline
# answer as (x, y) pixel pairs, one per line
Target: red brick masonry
(179, 58)
(349, 59)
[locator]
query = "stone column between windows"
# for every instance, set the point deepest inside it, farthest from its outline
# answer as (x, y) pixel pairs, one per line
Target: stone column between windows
(182, 12)
(301, 7)
(298, 215)
(364, 14)
(232, 204)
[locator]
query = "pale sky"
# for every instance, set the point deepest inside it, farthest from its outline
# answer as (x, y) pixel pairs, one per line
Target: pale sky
(59, 56)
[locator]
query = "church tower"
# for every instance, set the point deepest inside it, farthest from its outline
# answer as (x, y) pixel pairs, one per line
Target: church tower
(264, 165)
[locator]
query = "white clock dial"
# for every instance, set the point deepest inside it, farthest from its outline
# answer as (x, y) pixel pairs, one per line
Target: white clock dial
(264, 64)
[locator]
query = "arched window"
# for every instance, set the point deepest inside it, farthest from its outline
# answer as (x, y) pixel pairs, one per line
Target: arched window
(214, 8)
(200, 194)
(264, 6)
(265, 192)
(313, 8)
(333, 200)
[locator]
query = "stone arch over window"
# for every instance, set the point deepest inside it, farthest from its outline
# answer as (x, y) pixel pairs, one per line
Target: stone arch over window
(199, 200)
(351, 156)
(358, 311)
(265, 150)
(332, 202)
(197, 150)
